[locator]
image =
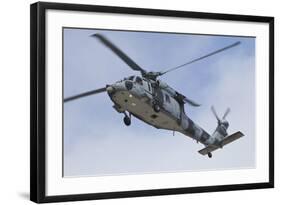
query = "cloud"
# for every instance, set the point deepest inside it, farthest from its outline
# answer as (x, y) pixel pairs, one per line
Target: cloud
(95, 140)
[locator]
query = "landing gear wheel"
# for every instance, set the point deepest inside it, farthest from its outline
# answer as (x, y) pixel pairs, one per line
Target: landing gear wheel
(156, 108)
(127, 120)
(210, 155)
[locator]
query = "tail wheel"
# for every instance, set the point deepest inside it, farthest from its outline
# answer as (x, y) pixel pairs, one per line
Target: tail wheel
(127, 121)
(156, 107)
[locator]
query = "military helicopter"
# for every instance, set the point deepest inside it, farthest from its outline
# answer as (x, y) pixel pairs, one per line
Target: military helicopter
(157, 104)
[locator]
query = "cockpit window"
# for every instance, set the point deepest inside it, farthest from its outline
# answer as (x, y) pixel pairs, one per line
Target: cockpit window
(167, 98)
(138, 80)
(131, 78)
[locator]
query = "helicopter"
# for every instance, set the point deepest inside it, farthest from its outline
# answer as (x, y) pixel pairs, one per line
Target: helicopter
(154, 102)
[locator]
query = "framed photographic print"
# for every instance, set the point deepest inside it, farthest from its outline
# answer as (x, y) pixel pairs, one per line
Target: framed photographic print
(129, 102)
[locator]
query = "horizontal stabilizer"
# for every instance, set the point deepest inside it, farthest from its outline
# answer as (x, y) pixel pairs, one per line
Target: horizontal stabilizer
(225, 141)
(231, 138)
(210, 148)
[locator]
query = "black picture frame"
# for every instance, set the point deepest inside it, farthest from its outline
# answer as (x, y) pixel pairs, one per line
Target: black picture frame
(38, 101)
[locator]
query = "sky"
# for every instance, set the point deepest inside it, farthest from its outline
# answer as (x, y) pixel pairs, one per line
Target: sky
(96, 141)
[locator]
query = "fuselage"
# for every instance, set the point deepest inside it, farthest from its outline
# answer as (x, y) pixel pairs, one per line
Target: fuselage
(137, 95)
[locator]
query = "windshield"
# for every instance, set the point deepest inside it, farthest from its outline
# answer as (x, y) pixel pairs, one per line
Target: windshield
(131, 78)
(138, 80)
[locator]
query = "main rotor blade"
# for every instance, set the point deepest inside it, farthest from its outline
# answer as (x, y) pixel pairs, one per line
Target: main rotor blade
(215, 113)
(191, 102)
(119, 53)
(92, 92)
(202, 57)
(226, 113)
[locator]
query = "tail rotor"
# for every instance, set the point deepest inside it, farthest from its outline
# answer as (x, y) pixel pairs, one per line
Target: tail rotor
(215, 113)
(221, 121)
(226, 113)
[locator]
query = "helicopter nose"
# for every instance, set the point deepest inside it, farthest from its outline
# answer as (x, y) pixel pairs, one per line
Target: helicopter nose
(109, 89)
(118, 86)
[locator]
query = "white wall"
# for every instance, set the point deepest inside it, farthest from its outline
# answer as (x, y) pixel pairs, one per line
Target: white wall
(14, 103)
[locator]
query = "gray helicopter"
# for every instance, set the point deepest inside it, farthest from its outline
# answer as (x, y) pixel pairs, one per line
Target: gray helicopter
(157, 104)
